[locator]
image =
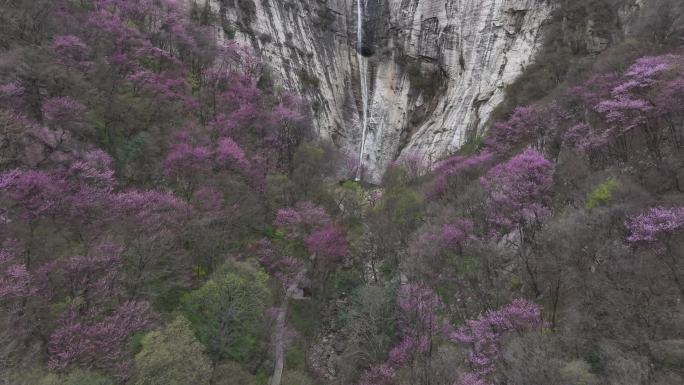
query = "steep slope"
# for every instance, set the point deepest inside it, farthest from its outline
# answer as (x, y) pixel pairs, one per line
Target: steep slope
(436, 68)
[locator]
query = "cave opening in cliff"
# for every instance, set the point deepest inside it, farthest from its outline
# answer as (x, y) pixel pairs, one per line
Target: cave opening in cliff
(366, 50)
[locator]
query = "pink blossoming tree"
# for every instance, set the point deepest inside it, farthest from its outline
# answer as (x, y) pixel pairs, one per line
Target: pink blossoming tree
(484, 336)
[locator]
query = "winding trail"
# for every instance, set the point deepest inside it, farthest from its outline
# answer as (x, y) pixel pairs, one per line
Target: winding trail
(279, 343)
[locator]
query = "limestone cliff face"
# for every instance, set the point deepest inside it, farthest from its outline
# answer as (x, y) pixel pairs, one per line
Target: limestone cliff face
(436, 68)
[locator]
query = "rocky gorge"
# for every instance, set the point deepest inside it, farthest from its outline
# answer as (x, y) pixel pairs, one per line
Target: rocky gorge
(435, 68)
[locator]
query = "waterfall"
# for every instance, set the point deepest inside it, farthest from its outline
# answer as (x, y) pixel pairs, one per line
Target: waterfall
(363, 78)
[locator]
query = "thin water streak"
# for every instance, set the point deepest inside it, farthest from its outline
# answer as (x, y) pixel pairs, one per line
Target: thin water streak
(363, 78)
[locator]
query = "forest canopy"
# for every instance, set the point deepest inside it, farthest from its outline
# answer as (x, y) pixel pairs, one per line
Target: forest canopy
(168, 215)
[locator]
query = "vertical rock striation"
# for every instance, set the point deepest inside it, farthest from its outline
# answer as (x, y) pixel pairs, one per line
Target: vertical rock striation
(436, 68)
(480, 47)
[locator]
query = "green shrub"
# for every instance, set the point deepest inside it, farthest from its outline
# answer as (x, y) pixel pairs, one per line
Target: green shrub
(172, 356)
(304, 316)
(227, 312)
(602, 194)
(345, 280)
(387, 269)
(403, 206)
(295, 358)
(229, 373)
(516, 284)
(228, 30)
(471, 146)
